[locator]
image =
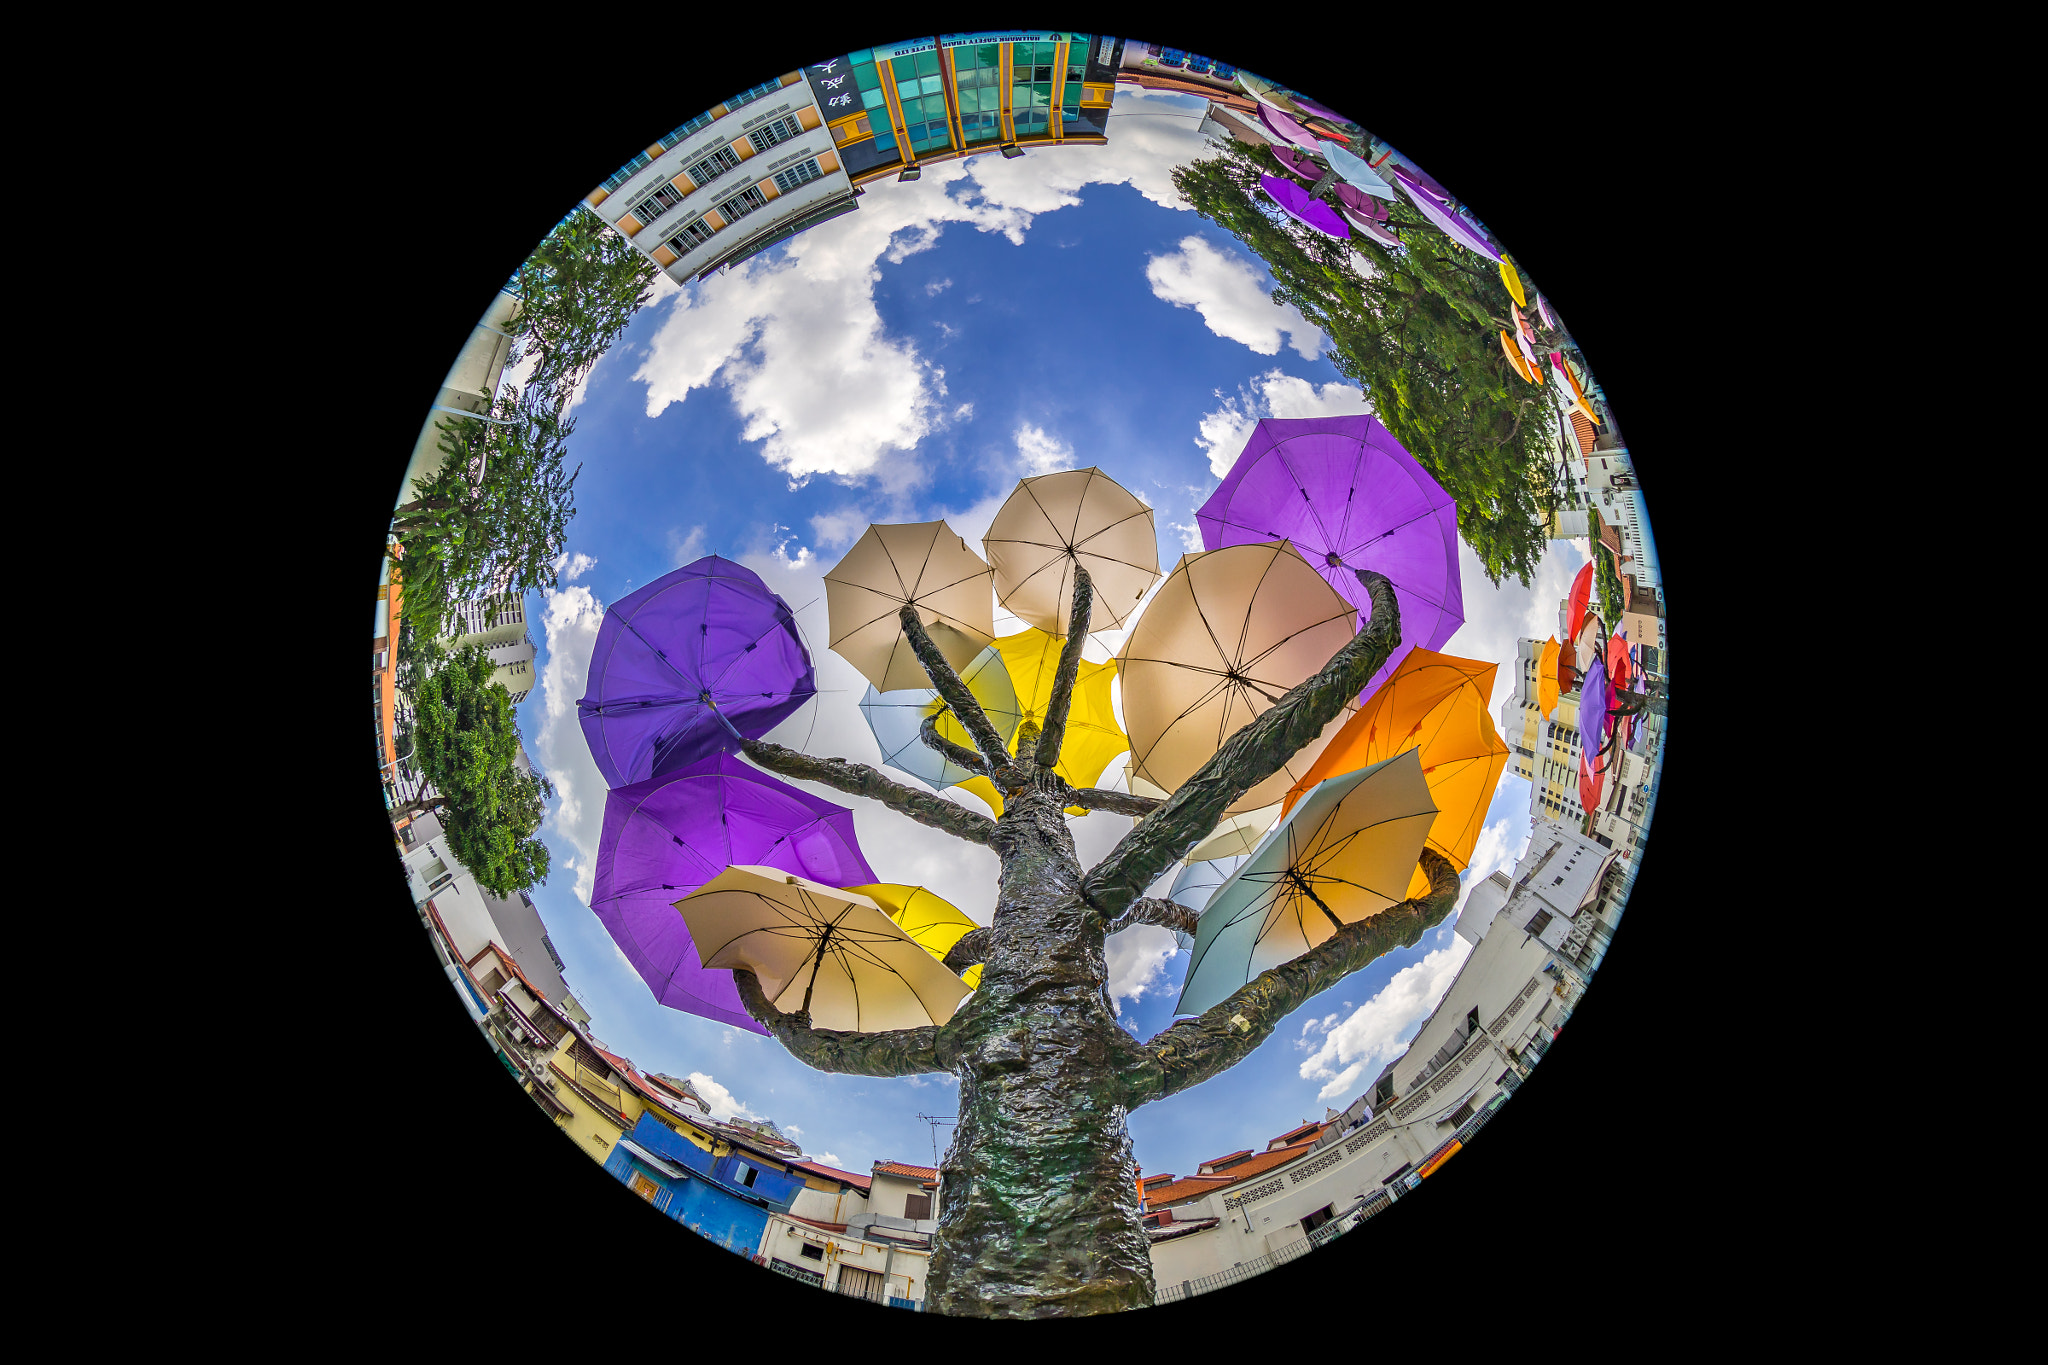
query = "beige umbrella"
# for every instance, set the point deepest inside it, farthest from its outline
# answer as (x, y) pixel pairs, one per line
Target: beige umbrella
(814, 946)
(1053, 522)
(922, 562)
(1228, 634)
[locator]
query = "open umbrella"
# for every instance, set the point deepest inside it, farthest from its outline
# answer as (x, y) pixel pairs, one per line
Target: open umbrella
(1229, 632)
(665, 837)
(1368, 228)
(1295, 202)
(1344, 853)
(1266, 93)
(897, 720)
(817, 948)
(1512, 278)
(1543, 311)
(1547, 686)
(1282, 126)
(935, 923)
(1449, 223)
(1579, 399)
(1356, 204)
(1197, 883)
(1515, 361)
(1055, 521)
(1355, 170)
(1575, 604)
(1436, 705)
(1348, 496)
(1592, 731)
(1296, 162)
(918, 562)
(704, 642)
(1093, 737)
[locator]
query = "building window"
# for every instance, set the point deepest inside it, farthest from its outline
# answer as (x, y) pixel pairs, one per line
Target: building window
(587, 1058)
(920, 89)
(978, 91)
(702, 120)
(713, 166)
(644, 1187)
(742, 204)
(493, 982)
(627, 171)
(797, 175)
(811, 1251)
(550, 1027)
(780, 130)
(1461, 1114)
(748, 96)
(654, 205)
(917, 1206)
(1538, 922)
(692, 234)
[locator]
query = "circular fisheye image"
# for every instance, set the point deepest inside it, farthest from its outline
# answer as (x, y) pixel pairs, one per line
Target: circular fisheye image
(1020, 675)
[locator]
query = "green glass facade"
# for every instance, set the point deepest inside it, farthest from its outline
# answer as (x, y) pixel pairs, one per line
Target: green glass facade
(921, 90)
(978, 86)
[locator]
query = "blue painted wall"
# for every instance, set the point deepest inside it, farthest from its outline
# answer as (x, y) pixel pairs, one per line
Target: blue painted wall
(706, 1201)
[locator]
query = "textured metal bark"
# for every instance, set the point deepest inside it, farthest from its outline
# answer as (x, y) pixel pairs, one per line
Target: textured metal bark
(995, 756)
(858, 779)
(1152, 910)
(1061, 702)
(897, 1052)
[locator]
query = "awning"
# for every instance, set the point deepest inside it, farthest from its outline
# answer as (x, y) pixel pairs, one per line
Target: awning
(640, 1153)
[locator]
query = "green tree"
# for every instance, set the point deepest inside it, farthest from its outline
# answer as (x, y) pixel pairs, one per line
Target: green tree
(577, 293)
(1419, 330)
(465, 744)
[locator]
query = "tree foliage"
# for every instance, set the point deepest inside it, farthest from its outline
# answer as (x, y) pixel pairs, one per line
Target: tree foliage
(1419, 331)
(577, 293)
(465, 743)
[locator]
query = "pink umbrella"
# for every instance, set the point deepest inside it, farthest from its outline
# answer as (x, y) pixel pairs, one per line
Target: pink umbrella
(1356, 203)
(1294, 163)
(1368, 228)
(1294, 201)
(1452, 226)
(1284, 127)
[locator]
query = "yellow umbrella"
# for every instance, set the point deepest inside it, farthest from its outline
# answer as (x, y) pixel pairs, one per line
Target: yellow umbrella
(918, 562)
(1093, 737)
(1546, 678)
(820, 948)
(1436, 704)
(1227, 635)
(1513, 280)
(1054, 521)
(935, 923)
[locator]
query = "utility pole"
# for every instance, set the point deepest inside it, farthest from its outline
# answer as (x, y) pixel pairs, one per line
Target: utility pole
(935, 1121)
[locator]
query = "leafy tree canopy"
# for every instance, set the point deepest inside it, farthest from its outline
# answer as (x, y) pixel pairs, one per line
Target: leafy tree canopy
(1419, 331)
(466, 744)
(577, 293)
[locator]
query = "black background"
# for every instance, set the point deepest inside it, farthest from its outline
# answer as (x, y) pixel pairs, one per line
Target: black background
(453, 1191)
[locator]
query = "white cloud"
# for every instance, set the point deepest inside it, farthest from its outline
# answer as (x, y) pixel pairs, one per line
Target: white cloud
(1042, 453)
(1229, 293)
(791, 1130)
(570, 568)
(1190, 534)
(685, 547)
(1499, 847)
(794, 338)
(1222, 434)
(829, 1159)
(569, 622)
(1137, 962)
(836, 530)
(721, 1101)
(1380, 1028)
(937, 287)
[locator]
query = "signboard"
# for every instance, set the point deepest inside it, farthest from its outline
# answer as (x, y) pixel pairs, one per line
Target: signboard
(832, 82)
(908, 47)
(1007, 36)
(1435, 1163)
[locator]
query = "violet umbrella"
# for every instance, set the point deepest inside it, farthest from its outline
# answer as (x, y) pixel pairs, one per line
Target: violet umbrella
(688, 664)
(665, 837)
(1348, 496)
(1357, 204)
(1592, 731)
(1452, 226)
(1295, 202)
(1281, 126)
(1296, 163)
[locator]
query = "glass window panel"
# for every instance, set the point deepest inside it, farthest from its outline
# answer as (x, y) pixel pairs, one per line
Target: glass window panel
(934, 85)
(904, 67)
(927, 63)
(1042, 92)
(865, 55)
(867, 78)
(989, 55)
(935, 107)
(873, 99)
(885, 136)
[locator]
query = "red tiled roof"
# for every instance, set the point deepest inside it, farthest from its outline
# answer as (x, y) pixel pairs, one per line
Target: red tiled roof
(905, 1170)
(1294, 1134)
(1584, 431)
(1213, 1162)
(1198, 1185)
(859, 1182)
(1187, 1188)
(1149, 1181)
(1172, 1230)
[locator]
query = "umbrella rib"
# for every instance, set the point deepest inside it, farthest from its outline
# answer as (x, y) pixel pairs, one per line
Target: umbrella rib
(1314, 513)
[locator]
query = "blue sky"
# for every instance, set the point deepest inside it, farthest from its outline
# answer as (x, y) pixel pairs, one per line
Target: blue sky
(910, 361)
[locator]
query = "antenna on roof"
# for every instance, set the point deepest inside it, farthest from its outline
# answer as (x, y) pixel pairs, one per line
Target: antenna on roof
(935, 1122)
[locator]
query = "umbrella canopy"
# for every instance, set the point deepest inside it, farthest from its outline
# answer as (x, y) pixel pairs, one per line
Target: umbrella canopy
(809, 941)
(1294, 201)
(1355, 170)
(1093, 737)
(1620, 669)
(931, 920)
(1592, 730)
(1579, 399)
(1546, 678)
(1528, 352)
(1357, 204)
(918, 562)
(1344, 853)
(665, 837)
(1575, 604)
(1515, 361)
(1543, 311)
(1512, 278)
(1368, 228)
(1452, 226)
(1051, 523)
(1348, 496)
(897, 718)
(1296, 162)
(1393, 163)
(1437, 705)
(1234, 835)
(1266, 93)
(706, 641)
(1227, 635)
(1282, 126)
(1526, 332)
(1196, 883)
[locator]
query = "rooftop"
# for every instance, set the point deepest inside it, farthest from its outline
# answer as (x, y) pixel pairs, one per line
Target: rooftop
(1195, 1186)
(905, 1171)
(859, 1182)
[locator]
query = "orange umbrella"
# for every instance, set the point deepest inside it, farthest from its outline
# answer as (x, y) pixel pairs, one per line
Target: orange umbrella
(1438, 704)
(1547, 684)
(1507, 348)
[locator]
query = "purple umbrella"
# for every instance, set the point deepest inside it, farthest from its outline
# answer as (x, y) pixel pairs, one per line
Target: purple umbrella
(665, 837)
(1356, 204)
(1592, 730)
(1296, 163)
(1295, 202)
(1321, 111)
(1286, 128)
(1400, 165)
(1349, 497)
(687, 664)
(1453, 226)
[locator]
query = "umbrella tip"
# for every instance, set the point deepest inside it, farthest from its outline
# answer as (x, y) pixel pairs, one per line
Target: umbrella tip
(1333, 559)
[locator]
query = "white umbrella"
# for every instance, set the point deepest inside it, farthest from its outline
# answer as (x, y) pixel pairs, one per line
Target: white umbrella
(1055, 521)
(924, 563)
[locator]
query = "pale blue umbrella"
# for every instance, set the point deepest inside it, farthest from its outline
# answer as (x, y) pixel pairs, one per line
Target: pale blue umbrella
(1355, 170)
(1197, 883)
(1345, 853)
(897, 719)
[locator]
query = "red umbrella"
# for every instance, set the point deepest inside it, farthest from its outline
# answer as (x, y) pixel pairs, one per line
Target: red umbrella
(1575, 607)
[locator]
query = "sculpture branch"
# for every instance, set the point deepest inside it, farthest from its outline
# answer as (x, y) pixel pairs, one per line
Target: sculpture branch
(894, 1052)
(1152, 910)
(1195, 1049)
(947, 749)
(1246, 759)
(1061, 702)
(1103, 798)
(972, 948)
(858, 779)
(995, 755)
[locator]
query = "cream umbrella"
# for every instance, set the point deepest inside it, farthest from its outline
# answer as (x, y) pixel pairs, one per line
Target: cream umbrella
(933, 921)
(923, 563)
(1344, 853)
(1054, 521)
(1227, 635)
(813, 946)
